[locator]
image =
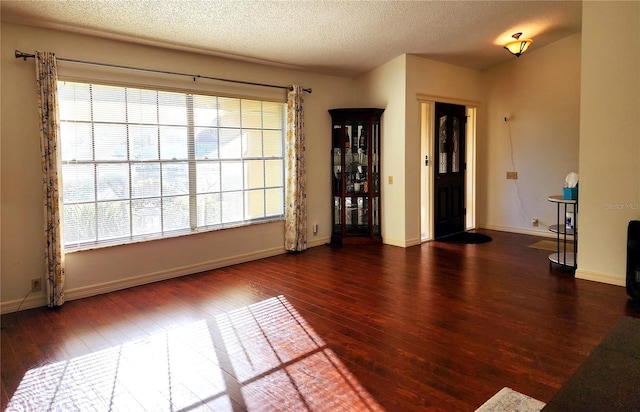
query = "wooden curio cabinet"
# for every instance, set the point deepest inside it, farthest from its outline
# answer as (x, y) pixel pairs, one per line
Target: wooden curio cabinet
(355, 176)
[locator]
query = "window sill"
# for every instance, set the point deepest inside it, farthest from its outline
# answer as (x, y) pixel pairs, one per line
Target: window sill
(168, 235)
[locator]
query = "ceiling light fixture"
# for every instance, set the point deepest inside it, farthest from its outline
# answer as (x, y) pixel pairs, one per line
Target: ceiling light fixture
(518, 46)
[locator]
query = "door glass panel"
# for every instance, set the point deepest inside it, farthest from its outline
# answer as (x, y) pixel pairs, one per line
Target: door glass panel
(357, 221)
(363, 220)
(375, 220)
(337, 214)
(337, 158)
(349, 208)
(337, 134)
(337, 173)
(349, 177)
(442, 145)
(362, 137)
(349, 165)
(375, 149)
(455, 155)
(360, 160)
(375, 158)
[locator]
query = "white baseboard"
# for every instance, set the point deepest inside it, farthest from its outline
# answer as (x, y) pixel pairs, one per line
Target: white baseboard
(534, 232)
(318, 242)
(607, 278)
(402, 243)
(413, 242)
(92, 290)
(394, 242)
(33, 301)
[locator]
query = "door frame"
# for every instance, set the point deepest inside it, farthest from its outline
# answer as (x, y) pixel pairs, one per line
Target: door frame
(427, 198)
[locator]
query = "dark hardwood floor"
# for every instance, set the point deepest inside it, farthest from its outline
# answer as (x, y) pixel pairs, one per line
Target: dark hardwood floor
(436, 327)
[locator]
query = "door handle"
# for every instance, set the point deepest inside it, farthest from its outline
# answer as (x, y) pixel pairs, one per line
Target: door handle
(426, 160)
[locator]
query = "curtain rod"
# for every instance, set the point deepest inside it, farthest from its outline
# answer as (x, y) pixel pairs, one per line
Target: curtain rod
(25, 56)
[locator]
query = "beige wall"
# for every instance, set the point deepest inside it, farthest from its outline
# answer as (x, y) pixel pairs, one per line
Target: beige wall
(396, 86)
(540, 93)
(384, 88)
(447, 83)
(609, 137)
(100, 270)
(551, 92)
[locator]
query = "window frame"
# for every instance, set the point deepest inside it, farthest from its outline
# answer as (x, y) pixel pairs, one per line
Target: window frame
(192, 161)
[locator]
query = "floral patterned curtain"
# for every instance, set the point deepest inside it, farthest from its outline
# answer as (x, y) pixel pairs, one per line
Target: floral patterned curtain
(296, 196)
(47, 78)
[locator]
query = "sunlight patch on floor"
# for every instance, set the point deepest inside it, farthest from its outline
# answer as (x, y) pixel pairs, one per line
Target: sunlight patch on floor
(261, 356)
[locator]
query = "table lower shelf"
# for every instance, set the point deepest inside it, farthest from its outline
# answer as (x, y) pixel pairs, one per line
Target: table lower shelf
(564, 259)
(562, 229)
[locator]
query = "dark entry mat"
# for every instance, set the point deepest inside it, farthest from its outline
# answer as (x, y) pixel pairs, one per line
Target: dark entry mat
(466, 237)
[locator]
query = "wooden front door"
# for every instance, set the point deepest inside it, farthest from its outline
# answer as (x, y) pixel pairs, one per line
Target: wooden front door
(449, 188)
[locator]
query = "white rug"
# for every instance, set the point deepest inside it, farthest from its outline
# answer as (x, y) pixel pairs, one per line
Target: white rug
(508, 400)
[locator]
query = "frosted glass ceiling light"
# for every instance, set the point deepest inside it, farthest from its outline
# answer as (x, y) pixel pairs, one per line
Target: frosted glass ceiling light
(518, 46)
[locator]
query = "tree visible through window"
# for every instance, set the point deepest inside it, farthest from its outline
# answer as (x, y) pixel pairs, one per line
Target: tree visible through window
(140, 163)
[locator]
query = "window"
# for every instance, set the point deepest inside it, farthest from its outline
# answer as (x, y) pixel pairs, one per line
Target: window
(139, 164)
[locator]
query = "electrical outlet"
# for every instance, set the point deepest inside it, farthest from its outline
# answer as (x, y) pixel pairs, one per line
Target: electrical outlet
(36, 285)
(534, 221)
(315, 228)
(512, 175)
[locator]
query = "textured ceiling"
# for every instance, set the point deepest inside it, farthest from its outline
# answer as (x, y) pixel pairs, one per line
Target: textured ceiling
(345, 38)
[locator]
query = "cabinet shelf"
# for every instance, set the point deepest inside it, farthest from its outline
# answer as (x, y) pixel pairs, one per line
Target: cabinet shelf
(562, 258)
(562, 229)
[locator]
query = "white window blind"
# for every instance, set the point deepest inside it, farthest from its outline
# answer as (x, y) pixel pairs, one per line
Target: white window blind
(140, 164)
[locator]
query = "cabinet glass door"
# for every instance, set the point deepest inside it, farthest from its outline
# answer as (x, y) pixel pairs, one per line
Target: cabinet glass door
(375, 216)
(375, 157)
(357, 220)
(337, 214)
(355, 176)
(355, 157)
